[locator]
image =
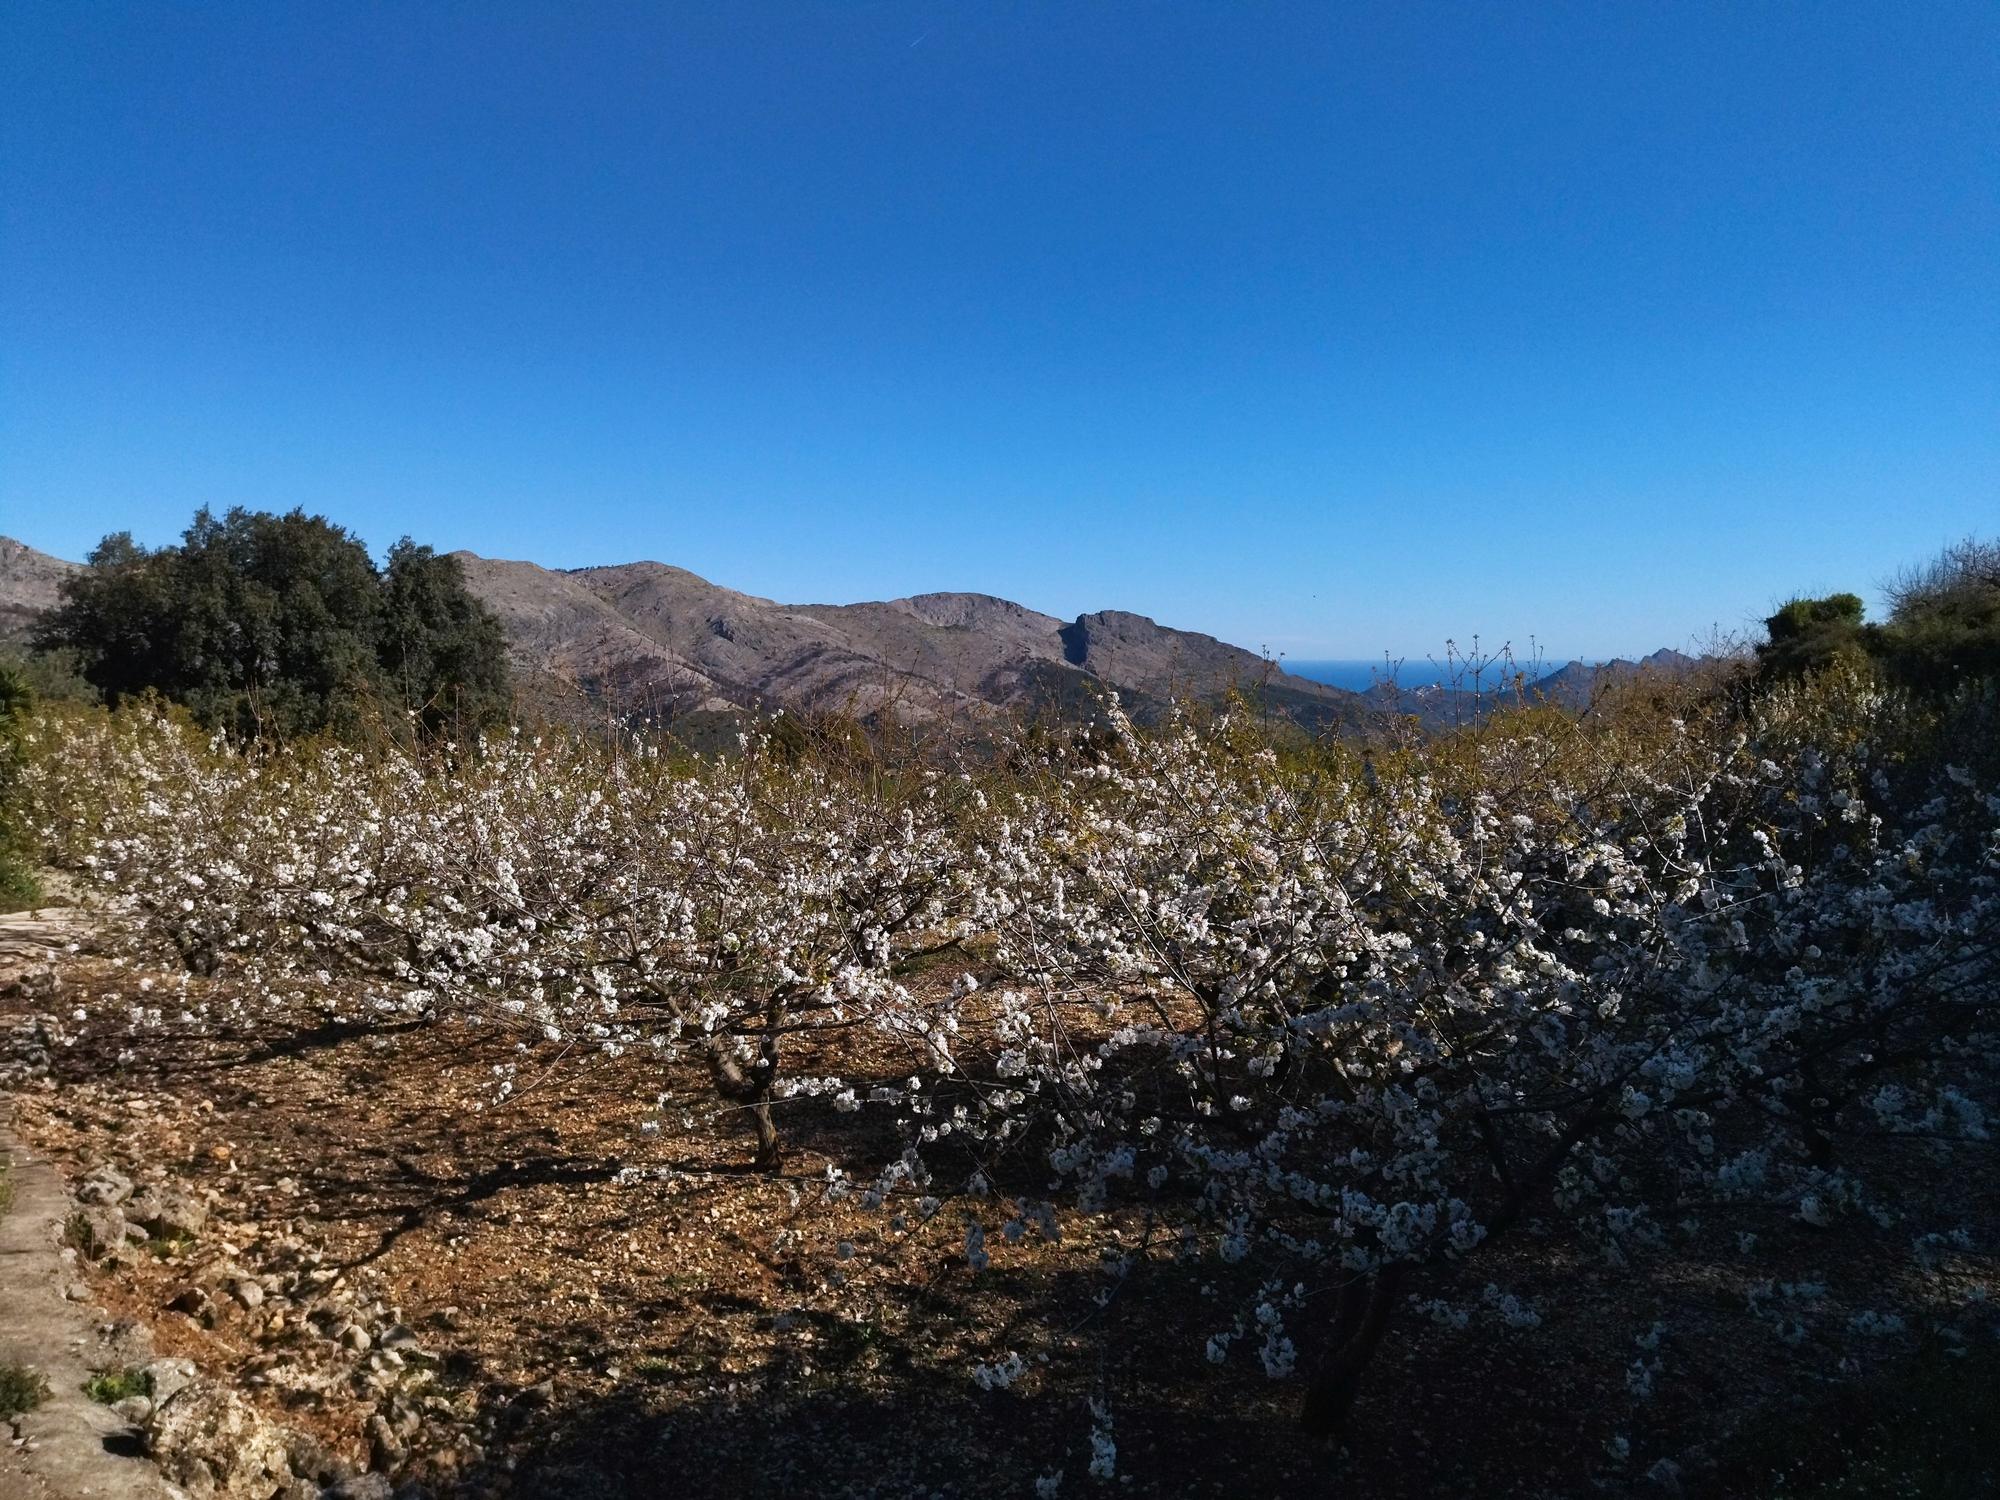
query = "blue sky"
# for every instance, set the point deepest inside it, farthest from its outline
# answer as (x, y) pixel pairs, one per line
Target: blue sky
(1327, 328)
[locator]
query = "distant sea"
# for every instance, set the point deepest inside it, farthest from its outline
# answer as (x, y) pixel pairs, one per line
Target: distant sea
(1359, 676)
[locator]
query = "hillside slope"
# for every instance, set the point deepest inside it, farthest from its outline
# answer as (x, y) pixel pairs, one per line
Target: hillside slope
(645, 637)
(30, 585)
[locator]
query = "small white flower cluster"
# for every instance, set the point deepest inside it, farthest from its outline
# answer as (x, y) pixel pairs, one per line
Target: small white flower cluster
(1000, 1374)
(1511, 1310)
(1103, 1447)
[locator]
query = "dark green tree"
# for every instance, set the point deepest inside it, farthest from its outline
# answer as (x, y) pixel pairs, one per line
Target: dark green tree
(1808, 635)
(277, 619)
(281, 625)
(441, 650)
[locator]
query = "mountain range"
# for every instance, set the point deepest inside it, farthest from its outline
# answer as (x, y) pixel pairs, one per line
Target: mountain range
(657, 639)
(646, 638)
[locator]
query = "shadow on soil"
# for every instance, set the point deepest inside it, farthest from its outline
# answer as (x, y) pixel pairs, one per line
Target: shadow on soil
(833, 1443)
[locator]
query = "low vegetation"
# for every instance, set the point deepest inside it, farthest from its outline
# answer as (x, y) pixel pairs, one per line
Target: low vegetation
(18, 884)
(1922, 1427)
(108, 1387)
(22, 1389)
(1943, 629)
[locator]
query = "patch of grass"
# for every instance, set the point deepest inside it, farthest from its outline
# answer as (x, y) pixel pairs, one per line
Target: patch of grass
(843, 1344)
(6, 1184)
(170, 1246)
(108, 1387)
(21, 1389)
(19, 889)
(685, 1364)
(1925, 1428)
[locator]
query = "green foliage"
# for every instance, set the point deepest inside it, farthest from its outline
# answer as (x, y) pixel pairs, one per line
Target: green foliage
(106, 1387)
(170, 1246)
(1944, 623)
(1942, 634)
(1810, 635)
(16, 697)
(51, 676)
(441, 650)
(653, 1367)
(21, 1390)
(280, 626)
(18, 886)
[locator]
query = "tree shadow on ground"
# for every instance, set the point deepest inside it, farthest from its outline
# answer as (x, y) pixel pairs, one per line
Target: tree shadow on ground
(877, 1398)
(202, 1055)
(909, 1442)
(430, 1197)
(850, 1413)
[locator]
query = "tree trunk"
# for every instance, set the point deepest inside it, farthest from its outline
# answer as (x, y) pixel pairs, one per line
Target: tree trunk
(756, 1085)
(1361, 1318)
(768, 1154)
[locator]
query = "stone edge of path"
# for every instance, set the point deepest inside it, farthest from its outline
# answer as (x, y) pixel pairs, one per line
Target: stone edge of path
(61, 1452)
(57, 1451)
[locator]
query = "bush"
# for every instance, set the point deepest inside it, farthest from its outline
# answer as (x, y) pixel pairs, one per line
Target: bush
(1944, 624)
(108, 1387)
(18, 885)
(1810, 635)
(1942, 634)
(21, 1390)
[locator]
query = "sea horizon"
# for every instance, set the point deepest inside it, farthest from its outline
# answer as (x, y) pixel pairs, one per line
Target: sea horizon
(1358, 675)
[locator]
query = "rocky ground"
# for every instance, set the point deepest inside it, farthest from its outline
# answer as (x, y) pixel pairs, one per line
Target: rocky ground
(115, 1419)
(68, 1445)
(315, 1257)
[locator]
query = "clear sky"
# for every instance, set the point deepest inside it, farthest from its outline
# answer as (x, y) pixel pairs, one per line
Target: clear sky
(1329, 328)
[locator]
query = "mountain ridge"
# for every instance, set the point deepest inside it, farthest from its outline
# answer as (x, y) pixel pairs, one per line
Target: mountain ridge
(653, 639)
(652, 635)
